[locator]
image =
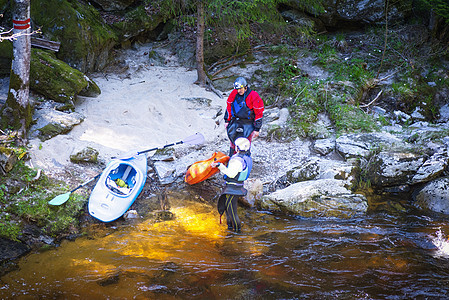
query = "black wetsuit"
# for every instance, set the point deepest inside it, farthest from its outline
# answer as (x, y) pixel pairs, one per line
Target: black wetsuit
(232, 190)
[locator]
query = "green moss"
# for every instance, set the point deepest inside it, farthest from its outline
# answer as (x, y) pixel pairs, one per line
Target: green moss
(51, 130)
(6, 49)
(135, 21)
(9, 228)
(56, 80)
(79, 28)
(30, 204)
(12, 114)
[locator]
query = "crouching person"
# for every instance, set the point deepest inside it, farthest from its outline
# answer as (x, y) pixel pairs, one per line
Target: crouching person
(235, 174)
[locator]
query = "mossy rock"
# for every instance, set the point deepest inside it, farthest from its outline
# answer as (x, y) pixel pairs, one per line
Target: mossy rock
(3, 5)
(51, 130)
(8, 159)
(5, 57)
(50, 122)
(223, 48)
(87, 155)
(58, 81)
(135, 22)
(85, 38)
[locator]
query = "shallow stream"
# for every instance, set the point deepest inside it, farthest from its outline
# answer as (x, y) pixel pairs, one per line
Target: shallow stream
(380, 255)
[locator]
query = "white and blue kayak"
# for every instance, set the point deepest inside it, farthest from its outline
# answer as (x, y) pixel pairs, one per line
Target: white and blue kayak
(118, 187)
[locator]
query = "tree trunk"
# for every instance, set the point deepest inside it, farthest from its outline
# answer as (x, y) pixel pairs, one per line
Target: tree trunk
(200, 44)
(17, 113)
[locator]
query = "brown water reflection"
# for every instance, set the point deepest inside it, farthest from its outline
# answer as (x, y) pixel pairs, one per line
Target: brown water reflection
(378, 256)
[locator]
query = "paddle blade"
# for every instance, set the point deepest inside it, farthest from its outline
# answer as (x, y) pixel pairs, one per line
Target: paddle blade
(58, 200)
(195, 139)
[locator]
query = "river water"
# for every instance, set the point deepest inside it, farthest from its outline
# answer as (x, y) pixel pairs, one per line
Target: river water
(381, 255)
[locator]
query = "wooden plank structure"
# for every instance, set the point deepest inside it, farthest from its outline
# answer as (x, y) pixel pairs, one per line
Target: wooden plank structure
(45, 44)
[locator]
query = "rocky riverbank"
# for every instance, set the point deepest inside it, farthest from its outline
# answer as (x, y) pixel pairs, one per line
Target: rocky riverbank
(152, 102)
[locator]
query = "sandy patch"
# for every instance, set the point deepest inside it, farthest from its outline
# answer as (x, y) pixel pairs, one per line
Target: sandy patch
(149, 107)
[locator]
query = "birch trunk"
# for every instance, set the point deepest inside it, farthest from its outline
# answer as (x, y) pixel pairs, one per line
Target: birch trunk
(17, 113)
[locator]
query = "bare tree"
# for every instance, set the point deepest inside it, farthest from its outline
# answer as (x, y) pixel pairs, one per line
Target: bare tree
(200, 22)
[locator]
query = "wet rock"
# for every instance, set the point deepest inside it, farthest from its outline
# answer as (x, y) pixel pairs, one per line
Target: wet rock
(113, 279)
(131, 215)
(255, 192)
(162, 215)
(434, 196)
(317, 198)
(87, 155)
(393, 168)
(308, 170)
(11, 249)
(388, 169)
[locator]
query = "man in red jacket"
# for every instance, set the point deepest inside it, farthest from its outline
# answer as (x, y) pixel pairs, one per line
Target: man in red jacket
(244, 113)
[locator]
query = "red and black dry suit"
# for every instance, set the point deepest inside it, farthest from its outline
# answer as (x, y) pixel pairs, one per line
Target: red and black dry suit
(243, 114)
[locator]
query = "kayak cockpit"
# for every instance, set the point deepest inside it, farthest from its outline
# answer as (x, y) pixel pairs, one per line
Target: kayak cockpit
(121, 180)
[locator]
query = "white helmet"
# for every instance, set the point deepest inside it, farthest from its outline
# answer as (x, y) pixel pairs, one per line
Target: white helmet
(243, 144)
(239, 83)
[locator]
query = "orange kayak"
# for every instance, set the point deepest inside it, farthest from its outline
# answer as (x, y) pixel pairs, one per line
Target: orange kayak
(201, 170)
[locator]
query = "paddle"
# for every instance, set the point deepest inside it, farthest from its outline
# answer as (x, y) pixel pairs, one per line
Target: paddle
(195, 139)
(58, 200)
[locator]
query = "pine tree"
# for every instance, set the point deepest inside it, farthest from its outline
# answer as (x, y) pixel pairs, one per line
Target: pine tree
(234, 15)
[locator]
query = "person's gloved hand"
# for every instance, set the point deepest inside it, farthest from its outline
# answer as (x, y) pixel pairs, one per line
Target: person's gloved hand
(215, 164)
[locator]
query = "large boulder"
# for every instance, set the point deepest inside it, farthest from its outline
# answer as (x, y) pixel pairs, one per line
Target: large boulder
(431, 168)
(111, 5)
(393, 168)
(10, 250)
(50, 123)
(364, 145)
(85, 38)
(390, 168)
(434, 196)
(58, 81)
(138, 21)
(359, 12)
(316, 198)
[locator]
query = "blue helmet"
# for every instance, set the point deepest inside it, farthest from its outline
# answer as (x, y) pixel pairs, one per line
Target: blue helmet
(239, 83)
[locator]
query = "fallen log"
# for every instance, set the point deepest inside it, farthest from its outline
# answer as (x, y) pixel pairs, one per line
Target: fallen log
(45, 44)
